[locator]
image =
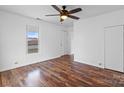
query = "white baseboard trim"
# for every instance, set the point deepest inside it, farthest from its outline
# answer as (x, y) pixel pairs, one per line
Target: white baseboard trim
(6, 67)
(88, 63)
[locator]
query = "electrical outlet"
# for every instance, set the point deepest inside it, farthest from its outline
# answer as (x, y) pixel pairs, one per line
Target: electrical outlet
(16, 62)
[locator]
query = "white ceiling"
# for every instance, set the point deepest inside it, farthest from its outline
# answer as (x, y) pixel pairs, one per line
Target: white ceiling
(39, 11)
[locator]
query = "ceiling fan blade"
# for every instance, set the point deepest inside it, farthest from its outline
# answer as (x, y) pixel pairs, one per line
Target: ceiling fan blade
(75, 10)
(53, 15)
(73, 17)
(57, 8)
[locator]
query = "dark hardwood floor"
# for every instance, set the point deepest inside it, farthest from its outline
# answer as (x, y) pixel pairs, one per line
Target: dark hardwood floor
(0, 81)
(61, 72)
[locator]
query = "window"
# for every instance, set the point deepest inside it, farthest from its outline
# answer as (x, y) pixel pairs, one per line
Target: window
(32, 40)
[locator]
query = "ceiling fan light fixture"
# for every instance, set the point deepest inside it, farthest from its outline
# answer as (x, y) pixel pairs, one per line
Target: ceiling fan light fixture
(64, 17)
(64, 14)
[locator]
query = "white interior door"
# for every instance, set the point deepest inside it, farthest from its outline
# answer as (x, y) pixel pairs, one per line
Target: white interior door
(114, 48)
(63, 43)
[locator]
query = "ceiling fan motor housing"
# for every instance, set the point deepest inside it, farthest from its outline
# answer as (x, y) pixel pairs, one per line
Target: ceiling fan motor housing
(64, 7)
(64, 12)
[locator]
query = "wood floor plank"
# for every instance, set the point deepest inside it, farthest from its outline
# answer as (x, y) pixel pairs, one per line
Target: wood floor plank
(61, 72)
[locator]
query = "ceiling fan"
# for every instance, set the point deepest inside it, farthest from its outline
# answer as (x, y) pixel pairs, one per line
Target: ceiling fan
(64, 14)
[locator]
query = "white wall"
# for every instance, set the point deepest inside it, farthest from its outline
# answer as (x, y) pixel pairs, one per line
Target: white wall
(13, 41)
(88, 43)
